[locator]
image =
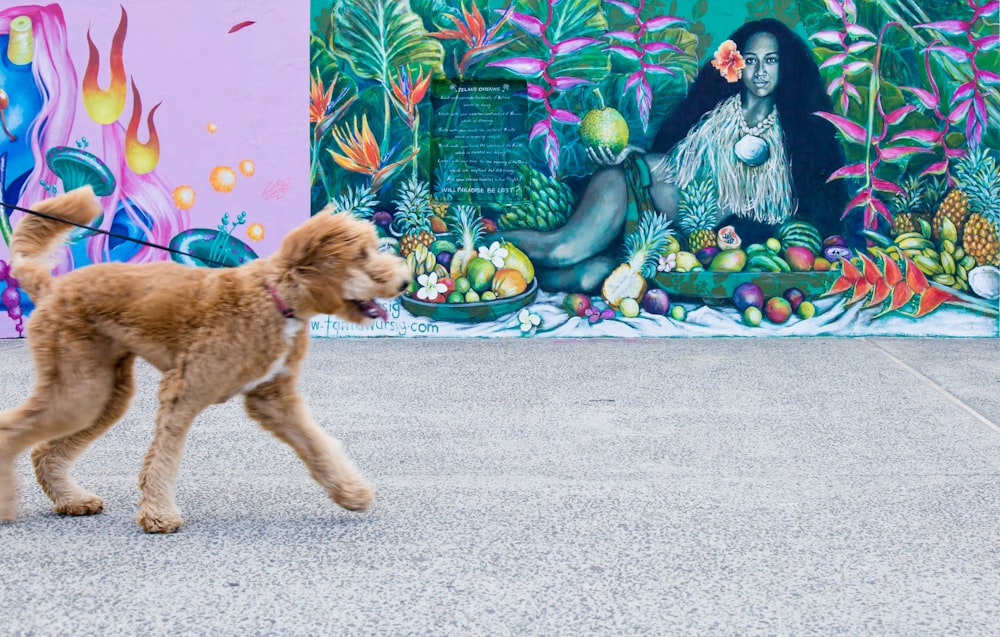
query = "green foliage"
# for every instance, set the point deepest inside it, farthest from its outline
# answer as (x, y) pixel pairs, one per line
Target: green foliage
(375, 37)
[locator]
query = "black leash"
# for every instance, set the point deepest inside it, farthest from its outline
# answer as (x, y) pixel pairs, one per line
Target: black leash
(116, 235)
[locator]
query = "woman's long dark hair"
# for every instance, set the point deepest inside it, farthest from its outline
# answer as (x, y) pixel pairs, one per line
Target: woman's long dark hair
(811, 143)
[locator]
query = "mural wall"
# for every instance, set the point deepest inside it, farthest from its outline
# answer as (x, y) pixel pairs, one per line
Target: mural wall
(664, 168)
(546, 167)
(172, 111)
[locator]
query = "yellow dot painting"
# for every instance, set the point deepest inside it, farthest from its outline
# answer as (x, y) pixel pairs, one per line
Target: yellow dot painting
(255, 231)
(223, 179)
(184, 197)
(248, 168)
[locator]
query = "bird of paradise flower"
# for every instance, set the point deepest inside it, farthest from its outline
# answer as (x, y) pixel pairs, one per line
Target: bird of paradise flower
(473, 31)
(323, 112)
(363, 154)
(406, 94)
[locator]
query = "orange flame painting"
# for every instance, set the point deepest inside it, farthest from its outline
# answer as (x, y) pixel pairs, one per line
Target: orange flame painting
(141, 157)
(105, 105)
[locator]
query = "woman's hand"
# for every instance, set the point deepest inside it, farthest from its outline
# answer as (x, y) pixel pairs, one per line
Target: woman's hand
(602, 155)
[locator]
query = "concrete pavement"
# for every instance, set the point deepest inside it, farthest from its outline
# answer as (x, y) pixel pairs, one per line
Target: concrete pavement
(550, 487)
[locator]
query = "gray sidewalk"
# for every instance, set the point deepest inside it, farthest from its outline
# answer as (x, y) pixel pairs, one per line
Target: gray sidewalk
(545, 487)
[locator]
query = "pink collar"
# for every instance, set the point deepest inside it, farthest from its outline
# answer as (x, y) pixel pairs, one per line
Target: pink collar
(286, 311)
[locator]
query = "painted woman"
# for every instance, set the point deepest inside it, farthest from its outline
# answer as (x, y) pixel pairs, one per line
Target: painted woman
(747, 126)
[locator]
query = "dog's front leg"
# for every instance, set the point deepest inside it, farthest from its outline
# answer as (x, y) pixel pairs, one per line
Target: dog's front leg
(179, 404)
(283, 412)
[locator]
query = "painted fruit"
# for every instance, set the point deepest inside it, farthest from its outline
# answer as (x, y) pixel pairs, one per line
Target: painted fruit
(472, 296)
(834, 240)
(456, 297)
(836, 253)
(821, 265)
(519, 261)
(576, 304)
(449, 284)
(462, 285)
(806, 310)
(508, 282)
(748, 295)
(686, 261)
(799, 258)
(656, 301)
(777, 309)
(444, 259)
(480, 274)
(629, 308)
(752, 316)
(442, 245)
(795, 297)
(489, 295)
(705, 255)
(382, 219)
(773, 245)
(678, 313)
(729, 261)
(604, 127)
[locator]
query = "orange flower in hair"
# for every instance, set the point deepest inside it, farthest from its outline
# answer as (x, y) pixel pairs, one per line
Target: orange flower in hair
(729, 62)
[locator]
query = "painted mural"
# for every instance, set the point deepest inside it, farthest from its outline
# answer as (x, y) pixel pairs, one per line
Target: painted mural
(170, 111)
(652, 168)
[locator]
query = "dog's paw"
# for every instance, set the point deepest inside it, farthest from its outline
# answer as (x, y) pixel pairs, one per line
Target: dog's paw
(357, 496)
(152, 523)
(89, 504)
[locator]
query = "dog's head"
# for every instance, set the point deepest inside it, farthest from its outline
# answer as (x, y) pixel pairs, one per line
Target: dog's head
(334, 261)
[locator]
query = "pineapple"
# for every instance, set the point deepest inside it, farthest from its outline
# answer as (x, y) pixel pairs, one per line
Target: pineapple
(643, 249)
(359, 202)
(908, 206)
(696, 213)
(414, 215)
(979, 178)
(470, 231)
(445, 181)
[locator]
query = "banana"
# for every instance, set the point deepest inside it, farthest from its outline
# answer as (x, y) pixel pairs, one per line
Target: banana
(948, 263)
(927, 265)
(959, 254)
(948, 246)
(756, 248)
(968, 262)
(932, 253)
(908, 235)
(962, 273)
(913, 243)
(925, 227)
(948, 230)
(766, 263)
(944, 279)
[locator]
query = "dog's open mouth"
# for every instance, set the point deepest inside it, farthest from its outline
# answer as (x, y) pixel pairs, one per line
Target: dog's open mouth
(372, 310)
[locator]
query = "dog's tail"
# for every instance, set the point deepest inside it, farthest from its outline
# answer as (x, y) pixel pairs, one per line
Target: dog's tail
(35, 237)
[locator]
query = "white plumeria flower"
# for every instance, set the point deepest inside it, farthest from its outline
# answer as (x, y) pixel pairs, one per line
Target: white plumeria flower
(430, 289)
(528, 320)
(494, 254)
(667, 263)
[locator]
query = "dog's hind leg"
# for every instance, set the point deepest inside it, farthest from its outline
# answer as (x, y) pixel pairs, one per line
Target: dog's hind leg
(53, 459)
(55, 410)
(283, 412)
(180, 401)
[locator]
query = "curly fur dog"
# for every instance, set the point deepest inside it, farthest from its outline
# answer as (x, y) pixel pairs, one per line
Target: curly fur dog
(214, 333)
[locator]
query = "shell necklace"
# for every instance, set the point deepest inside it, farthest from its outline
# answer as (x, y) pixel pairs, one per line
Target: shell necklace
(751, 149)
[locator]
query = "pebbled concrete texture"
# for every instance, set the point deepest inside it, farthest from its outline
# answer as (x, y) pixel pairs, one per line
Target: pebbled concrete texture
(559, 487)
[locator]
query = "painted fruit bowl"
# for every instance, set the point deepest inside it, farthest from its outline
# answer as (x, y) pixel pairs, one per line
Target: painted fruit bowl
(477, 312)
(719, 286)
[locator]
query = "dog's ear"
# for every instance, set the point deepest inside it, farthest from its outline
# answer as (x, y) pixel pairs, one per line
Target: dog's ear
(323, 241)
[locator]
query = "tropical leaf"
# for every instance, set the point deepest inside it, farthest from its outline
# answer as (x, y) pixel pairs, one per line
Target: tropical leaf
(376, 36)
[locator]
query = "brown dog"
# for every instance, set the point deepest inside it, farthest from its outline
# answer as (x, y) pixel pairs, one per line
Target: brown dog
(214, 333)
